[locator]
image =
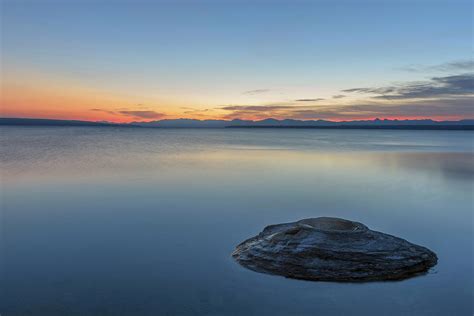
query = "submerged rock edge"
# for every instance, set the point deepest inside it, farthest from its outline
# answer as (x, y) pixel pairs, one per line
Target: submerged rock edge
(333, 249)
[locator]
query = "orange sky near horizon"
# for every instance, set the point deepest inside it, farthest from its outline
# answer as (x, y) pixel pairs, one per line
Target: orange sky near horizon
(41, 104)
(88, 60)
(31, 96)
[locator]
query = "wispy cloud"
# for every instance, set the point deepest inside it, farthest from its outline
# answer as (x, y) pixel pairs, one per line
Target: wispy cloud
(257, 91)
(143, 114)
(439, 108)
(309, 100)
(256, 108)
(457, 107)
(198, 113)
(338, 96)
(140, 114)
(102, 110)
(254, 111)
(456, 85)
(466, 65)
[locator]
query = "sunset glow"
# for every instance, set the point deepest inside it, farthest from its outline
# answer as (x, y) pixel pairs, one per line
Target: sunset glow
(63, 61)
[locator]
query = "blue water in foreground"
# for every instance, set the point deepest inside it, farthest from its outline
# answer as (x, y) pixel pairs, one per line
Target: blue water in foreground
(121, 221)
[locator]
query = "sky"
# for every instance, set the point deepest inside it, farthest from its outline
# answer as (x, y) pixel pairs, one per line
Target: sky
(125, 61)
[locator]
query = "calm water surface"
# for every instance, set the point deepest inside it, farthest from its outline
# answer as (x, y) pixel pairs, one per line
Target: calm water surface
(117, 221)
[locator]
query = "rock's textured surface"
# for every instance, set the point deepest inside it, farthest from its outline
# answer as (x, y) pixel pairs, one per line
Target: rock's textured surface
(332, 249)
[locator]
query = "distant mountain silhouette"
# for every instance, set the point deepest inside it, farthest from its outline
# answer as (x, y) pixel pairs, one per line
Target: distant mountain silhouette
(183, 123)
(467, 124)
(291, 123)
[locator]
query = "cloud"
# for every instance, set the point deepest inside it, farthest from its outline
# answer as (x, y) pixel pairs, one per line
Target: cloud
(258, 91)
(256, 108)
(458, 107)
(143, 114)
(424, 108)
(255, 111)
(309, 100)
(199, 113)
(102, 110)
(196, 111)
(456, 85)
(454, 66)
(442, 97)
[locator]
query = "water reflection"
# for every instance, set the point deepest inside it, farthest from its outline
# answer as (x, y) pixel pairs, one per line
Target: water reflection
(143, 222)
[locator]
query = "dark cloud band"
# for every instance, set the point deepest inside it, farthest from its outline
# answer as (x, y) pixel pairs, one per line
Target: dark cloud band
(448, 86)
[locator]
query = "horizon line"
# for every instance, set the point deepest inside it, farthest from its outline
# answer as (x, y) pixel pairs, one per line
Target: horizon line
(238, 119)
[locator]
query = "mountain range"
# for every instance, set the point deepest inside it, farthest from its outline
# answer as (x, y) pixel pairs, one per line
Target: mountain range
(266, 123)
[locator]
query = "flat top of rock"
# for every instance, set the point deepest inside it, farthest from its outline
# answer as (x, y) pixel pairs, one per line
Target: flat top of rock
(332, 224)
(332, 249)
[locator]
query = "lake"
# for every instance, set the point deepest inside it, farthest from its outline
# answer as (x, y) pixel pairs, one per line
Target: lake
(139, 221)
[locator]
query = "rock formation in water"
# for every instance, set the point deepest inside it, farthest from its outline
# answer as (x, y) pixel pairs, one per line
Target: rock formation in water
(332, 249)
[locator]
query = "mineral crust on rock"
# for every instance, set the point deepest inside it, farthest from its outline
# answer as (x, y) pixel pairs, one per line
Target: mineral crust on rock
(332, 249)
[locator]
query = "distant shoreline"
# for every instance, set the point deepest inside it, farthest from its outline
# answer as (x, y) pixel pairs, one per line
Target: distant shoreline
(464, 125)
(403, 127)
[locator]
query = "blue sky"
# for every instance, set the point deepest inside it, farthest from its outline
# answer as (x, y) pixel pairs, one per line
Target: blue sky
(165, 56)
